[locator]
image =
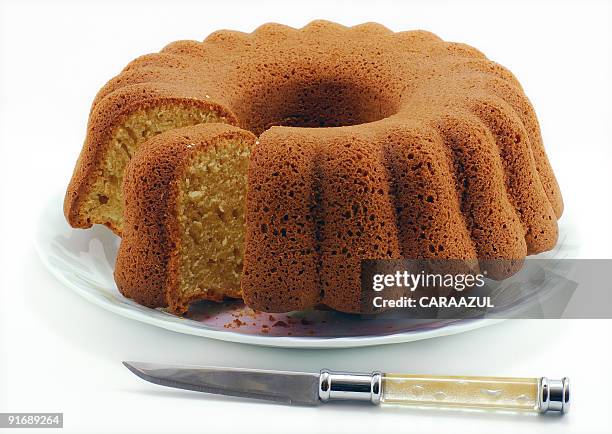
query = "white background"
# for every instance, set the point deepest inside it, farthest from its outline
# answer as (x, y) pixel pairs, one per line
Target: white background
(58, 353)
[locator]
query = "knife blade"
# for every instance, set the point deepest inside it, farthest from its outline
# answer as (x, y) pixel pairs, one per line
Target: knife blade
(299, 388)
(302, 388)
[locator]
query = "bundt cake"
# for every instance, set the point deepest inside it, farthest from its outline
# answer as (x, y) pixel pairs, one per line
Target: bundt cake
(183, 232)
(371, 145)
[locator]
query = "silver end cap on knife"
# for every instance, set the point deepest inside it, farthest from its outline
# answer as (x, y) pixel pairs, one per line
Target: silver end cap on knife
(350, 386)
(553, 395)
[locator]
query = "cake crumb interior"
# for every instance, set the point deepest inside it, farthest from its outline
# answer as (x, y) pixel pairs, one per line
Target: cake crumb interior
(104, 203)
(211, 216)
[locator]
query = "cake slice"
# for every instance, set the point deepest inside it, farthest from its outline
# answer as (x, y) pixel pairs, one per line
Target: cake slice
(117, 128)
(184, 202)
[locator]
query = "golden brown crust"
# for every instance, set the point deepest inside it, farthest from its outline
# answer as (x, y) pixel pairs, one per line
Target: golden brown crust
(458, 172)
(434, 141)
(146, 269)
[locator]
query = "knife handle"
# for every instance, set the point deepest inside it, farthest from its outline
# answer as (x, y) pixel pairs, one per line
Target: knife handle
(493, 393)
(469, 392)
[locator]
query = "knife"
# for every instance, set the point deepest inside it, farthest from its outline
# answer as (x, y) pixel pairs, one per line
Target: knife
(541, 395)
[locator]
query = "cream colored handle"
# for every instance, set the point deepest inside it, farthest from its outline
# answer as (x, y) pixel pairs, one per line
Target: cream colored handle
(470, 392)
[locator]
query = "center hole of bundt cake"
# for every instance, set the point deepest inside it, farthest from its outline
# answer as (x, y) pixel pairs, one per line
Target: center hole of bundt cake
(318, 103)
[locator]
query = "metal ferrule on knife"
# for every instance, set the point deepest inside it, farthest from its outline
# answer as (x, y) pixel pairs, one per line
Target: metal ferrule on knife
(350, 386)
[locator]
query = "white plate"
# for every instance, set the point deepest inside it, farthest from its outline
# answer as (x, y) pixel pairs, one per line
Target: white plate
(83, 260)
